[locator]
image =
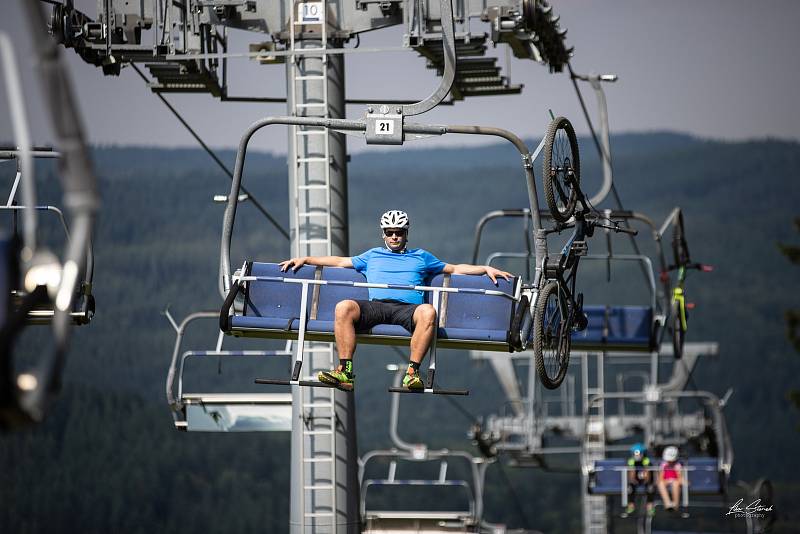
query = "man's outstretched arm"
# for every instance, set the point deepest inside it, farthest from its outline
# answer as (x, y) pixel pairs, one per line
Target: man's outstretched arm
(465, 268)
(324, 261)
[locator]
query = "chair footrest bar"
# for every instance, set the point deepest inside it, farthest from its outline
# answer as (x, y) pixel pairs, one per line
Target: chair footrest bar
(432, 391)
(306, 383)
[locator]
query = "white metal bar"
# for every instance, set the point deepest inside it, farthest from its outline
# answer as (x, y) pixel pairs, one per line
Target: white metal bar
(442, 471)
(398, 287)
(316, 460)
(13, 189)
(317, 432)
(301, 336)
(432, 365)
(306, 187)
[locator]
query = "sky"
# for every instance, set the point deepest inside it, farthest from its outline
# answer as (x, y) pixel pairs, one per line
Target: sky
(721, 69)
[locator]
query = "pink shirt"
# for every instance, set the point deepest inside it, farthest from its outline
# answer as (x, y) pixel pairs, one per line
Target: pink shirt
(670, 470)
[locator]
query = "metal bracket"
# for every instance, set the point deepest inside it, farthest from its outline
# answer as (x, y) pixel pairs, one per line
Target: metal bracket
(449, 75)
(384, 125)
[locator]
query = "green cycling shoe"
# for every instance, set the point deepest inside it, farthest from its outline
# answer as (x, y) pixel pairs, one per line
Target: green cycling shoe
(413, 381)
(337, 378)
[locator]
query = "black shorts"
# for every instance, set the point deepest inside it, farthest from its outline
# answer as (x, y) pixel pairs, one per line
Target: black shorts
(375, 312)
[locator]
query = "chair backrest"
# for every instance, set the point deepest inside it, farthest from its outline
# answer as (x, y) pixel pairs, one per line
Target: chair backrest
(330, 295)
(475, 310)
(629, 322)
(462, 310)
(618, 325)
(705, 476)
(275, 299)
(606, 478)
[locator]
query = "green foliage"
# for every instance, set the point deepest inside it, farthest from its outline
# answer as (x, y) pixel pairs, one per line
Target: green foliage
(792, 317)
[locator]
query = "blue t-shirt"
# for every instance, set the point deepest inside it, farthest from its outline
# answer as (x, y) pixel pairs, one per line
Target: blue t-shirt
(413, 268)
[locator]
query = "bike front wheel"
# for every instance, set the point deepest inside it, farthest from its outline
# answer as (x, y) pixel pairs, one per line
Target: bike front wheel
(561, 169)
(552, 338)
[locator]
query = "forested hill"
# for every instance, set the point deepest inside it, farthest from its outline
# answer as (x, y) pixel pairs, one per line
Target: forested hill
(107, 459)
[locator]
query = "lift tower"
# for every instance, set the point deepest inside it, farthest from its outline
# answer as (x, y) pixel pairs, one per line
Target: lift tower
(324, 448)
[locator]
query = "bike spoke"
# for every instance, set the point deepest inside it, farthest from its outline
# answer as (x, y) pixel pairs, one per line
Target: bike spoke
(561, 194)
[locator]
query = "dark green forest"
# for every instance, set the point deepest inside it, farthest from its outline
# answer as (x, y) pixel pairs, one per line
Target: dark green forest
(107, 459)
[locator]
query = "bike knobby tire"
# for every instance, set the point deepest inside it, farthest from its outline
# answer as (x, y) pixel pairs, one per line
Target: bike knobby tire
(678, 334)
(552, 338)
(561, 158)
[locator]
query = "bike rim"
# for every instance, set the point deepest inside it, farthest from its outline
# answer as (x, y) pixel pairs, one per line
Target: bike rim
(553, 336)
(560, 166)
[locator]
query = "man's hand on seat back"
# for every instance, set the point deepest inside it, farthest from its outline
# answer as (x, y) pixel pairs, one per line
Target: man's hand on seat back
(464, 268)
(324, 261)
(295, 263)
(493, 273)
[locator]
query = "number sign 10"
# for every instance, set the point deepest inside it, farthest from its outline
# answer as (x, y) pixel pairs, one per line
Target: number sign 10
(311, 12)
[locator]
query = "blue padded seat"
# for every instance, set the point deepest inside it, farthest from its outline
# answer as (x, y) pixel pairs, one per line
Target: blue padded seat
(476, 316)
(329, 296)
(270, 305)
(704, 477)
(616, 327)
(269, 323)
(606, 480)
(272, 309)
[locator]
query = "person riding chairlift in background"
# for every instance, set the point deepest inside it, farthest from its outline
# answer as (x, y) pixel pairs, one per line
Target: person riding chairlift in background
(639, 475)
(670, 479)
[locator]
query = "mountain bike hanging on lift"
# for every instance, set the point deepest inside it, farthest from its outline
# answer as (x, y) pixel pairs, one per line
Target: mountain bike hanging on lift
(679, 316)
(558, 312)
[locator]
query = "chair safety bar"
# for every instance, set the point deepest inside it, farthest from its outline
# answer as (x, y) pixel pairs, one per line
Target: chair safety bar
(434, 290)
(474, 489)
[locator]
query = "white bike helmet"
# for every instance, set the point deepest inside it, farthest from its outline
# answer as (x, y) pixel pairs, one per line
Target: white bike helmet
(670, 454)
(394, 219)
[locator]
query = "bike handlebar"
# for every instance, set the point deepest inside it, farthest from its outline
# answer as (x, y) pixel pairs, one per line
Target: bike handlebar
(618, 229)
(697, 266)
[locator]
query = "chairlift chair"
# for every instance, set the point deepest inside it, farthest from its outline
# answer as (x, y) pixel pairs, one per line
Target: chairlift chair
(222, 412)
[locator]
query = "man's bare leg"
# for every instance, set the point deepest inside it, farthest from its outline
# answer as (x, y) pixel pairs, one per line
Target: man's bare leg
(424, 319)
(346, 315)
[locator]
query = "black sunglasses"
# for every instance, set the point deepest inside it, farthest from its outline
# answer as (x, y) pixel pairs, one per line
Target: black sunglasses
(389, 232)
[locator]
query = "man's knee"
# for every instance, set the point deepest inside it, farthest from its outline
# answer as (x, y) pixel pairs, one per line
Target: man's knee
(347, 309)
(425, 314)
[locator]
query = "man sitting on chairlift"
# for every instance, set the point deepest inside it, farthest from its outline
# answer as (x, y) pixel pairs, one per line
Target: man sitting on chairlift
(392, 264)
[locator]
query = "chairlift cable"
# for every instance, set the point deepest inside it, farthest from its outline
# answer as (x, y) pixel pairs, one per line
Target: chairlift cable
(211, 153)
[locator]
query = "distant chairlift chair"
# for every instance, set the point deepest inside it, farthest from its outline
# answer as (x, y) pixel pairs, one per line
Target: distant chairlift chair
(222, 412)
(705, 475)
(626, 328)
